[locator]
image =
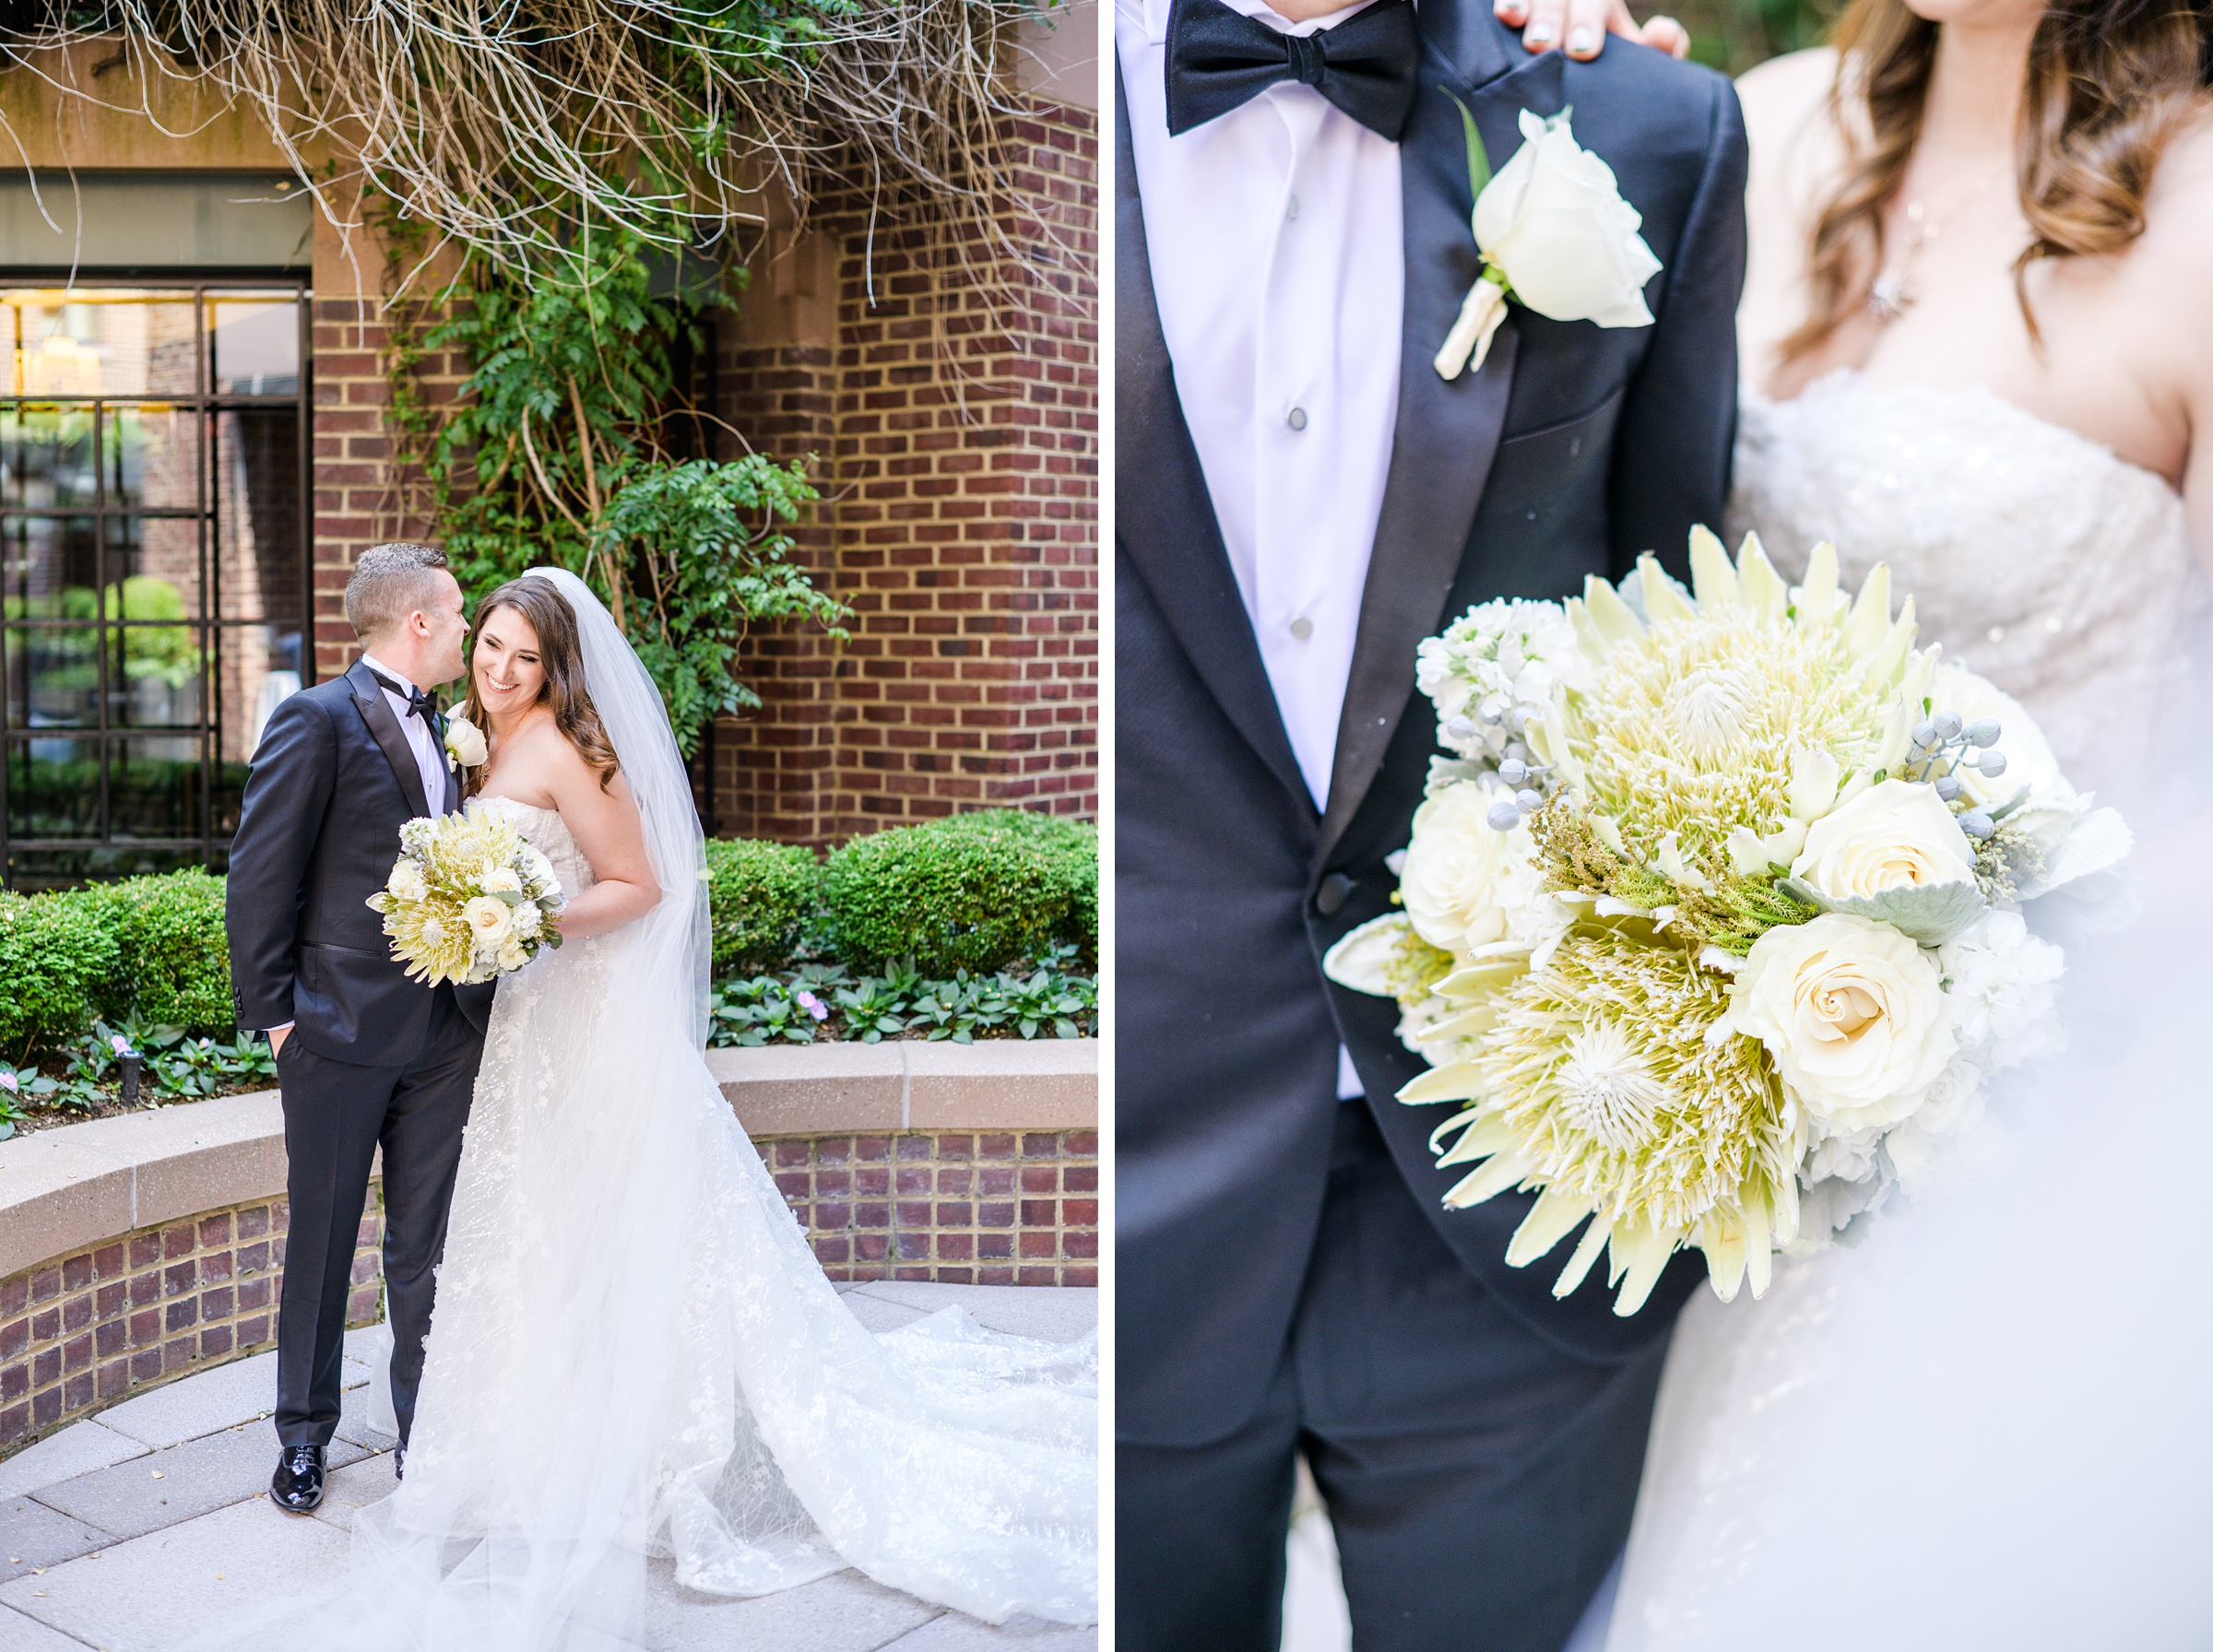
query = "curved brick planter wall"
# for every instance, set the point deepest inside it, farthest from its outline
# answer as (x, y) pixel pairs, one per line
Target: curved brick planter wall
(136, 1249)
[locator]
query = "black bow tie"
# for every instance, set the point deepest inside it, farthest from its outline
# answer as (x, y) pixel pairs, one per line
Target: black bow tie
(1366, 65)
(420, 704)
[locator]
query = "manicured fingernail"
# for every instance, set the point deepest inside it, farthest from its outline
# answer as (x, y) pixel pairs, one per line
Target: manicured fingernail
(1537, 34)
(1508, 11)
(1582, 42)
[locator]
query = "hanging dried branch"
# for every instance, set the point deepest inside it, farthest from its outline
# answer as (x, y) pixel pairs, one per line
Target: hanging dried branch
(501, 122)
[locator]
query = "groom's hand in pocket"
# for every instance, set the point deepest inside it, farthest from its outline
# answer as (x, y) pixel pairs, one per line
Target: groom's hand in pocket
(1584, 25)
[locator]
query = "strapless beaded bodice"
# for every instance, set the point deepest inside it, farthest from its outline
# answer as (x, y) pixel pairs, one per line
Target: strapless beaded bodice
(2041, 560)
(549, 834)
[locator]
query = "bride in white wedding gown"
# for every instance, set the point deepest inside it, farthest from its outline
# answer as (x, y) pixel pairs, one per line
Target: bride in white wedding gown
(1986, 1426)
(634, 1354)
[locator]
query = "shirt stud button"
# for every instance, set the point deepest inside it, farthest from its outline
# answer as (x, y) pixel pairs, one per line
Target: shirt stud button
(1298, 420)
(1302, 628)
(1292, 210)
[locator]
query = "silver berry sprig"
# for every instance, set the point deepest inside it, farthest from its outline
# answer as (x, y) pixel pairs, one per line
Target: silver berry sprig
(1940, 746)
(1496, 733)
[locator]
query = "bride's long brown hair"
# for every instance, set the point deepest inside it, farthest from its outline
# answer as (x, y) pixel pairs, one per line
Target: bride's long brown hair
(2108, 83)
(561, 657)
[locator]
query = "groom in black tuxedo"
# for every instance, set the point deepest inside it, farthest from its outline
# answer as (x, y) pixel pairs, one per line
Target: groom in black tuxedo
(364, 1056)
(1288, 1281)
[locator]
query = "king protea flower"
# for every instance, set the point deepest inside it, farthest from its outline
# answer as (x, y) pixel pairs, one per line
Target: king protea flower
(1742, 761)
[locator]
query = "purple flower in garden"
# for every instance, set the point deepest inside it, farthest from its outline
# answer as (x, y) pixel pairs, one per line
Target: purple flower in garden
(121, 1045)
(7, 1081)
(813, 1006)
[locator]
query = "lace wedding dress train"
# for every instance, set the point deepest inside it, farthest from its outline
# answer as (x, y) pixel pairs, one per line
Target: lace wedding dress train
(634, 1354)
(1985, 1427)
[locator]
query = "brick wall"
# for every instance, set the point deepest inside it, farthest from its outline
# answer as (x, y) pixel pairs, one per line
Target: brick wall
(82, 1331)
(362, 496)
(962, 1209)
(957, 452)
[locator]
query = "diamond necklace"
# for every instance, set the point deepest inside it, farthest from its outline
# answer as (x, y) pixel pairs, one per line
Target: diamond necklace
(1892, 291)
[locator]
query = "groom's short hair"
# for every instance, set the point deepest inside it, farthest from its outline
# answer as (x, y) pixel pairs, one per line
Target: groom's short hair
(388, 582)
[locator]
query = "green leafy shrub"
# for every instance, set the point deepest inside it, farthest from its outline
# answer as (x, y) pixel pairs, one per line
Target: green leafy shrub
(172, 957)
(974, 893)
(761, 896)
(59, 963)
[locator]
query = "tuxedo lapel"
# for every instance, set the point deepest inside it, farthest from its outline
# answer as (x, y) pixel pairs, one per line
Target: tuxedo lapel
(1447, 433)
(384, 727)
(1165, 517)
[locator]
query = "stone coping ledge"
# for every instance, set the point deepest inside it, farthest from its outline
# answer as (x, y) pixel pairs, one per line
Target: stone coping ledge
(66, 1189)
(993, 1084)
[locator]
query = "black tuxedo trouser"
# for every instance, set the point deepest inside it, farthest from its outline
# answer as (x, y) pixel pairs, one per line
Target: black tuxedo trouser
(336, 1115)
(1461, 1456)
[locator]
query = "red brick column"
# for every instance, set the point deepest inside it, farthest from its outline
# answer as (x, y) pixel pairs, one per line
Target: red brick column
(957, 448)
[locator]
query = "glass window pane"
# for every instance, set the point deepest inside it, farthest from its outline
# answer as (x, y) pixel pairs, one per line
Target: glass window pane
(152, 457)
(45, 457)
(255, 344)
(53, 677)
(155, 673)
(48, 568)
(257, 547)
(102, 341)
(257, 668)
(54, 786)
(154, 786)
(156, 561)
(31, 870)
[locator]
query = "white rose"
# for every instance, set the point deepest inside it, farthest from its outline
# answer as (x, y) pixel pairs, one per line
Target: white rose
(501, 881)
(489, 919)
(1851, 1012)
(465, 742)
(1453, 866)
(1554, 221)
(406, 881)
(512, 954)
(1895, 835)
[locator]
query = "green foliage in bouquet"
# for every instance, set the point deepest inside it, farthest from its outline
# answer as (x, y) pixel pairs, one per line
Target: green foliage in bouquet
(973, 892)
(58, 959)
(761, 897)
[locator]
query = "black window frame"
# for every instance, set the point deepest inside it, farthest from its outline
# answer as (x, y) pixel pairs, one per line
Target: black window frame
(205, 405)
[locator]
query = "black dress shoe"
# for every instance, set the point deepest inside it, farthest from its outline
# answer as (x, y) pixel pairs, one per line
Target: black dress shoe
(297, 1485)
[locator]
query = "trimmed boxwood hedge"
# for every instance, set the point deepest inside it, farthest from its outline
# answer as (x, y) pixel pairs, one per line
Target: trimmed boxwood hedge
(977, 892)
(59, 967)
(974, 891)
(761, 897)
(174, 963)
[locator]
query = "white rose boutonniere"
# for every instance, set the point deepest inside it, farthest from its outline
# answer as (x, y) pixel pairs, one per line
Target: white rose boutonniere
(1555, 234)
(465, 742)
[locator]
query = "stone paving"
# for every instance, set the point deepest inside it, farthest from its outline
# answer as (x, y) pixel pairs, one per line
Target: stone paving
(129, 1530)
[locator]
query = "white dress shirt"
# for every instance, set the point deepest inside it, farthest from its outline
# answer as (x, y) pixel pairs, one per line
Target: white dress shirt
(423, 740)
(1274, 235)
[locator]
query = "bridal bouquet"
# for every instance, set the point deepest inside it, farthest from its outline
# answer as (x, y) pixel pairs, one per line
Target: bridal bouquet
(1713, 921)
(468, 898)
